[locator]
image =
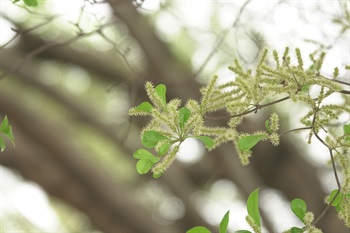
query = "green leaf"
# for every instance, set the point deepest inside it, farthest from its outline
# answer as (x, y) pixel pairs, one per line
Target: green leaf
(146, 160)
(337, 200)
(268, 126)
(299, 208)
(151, 138)
(144, 107)
(10, 135)
(208, 142)
(164, 148)
(198, 229)
(161, 92)
(305, 88)
(2, 144)
(311, 68)
(156, 176)
(224, 222)
(4, 124)
(253, 206)
(31, 2)
(143, 166)
(346, 129)
(243, 231)
(145, 155)
(248, 142)
(6, 129)
(296, 230)
(184, 115)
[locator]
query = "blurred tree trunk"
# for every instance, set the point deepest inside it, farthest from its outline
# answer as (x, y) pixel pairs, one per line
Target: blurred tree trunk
(46, 156)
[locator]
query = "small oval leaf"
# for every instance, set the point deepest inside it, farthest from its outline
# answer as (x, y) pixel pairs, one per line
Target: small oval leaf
(198, 229)
(164, 148)
(156, 176)
(336, 202)
(346, 129)
(31, 2)
(143, 166)
(299, 208)
(296, 230)
(267, 126)
(161, 92)
(4, 124)
(145, 155)
(151, 138)
(145, 107)
(253, 206)
(248, 142)
(208, 142)
(184, 115)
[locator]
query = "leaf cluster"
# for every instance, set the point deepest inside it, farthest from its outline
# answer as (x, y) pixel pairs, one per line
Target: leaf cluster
(169, 127)
(250, 91)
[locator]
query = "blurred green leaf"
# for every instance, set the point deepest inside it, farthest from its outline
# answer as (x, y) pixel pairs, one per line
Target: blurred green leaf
(253, 206)
(156, 176)
(4, 124)
(296, 230)
(144, 107)
(6, 129)
(146, 160)
(224, 222)
(145, 154)
(151, 138)
(208, 142)
(143, 166)
(346, 129)
(299, 208)
(164, 148)
(184, 115)
(336, 202)
(198, 229)
(305, 88)
(243, 231)
(161, 92)
(31, 2)
(2, 144)
(248, 142)
(267, 126)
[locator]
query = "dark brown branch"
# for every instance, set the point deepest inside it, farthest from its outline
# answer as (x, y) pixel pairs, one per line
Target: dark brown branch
(345, 92)
(19, 32)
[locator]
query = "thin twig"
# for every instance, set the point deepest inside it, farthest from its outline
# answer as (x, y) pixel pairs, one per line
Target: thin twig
(221, 40)
(47, 46)
(256, 108)
(295, 79)
(338, 191)
(293, 130)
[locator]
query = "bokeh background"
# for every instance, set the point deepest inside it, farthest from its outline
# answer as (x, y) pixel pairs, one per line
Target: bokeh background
(70, 70)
